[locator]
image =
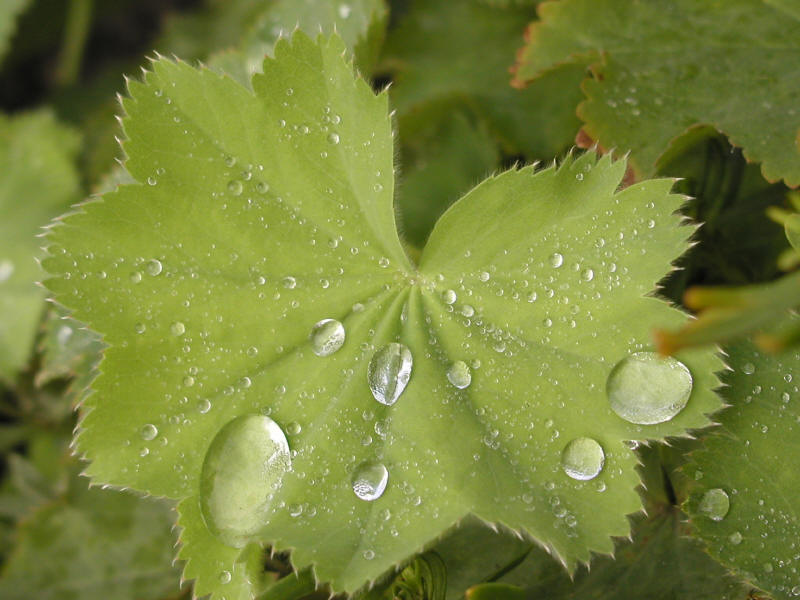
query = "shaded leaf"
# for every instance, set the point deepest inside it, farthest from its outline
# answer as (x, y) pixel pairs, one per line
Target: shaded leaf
(261, 214)
(752, 461)
(460, 52)
(37, 181)
(9, 11)
(661, 67)
(93, 544)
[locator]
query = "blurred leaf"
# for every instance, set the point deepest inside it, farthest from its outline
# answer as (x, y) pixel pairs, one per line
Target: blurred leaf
(68, 351)
(93, 543)
(728, 313)
(38, 180)
(753, 461)
(443, 156)
(9, 11)
(459, 53)
(661, 66)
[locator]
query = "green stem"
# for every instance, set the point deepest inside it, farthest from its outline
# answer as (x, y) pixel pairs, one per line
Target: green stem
(76, 31)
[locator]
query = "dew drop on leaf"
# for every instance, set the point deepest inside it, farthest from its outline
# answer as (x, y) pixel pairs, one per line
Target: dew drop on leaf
(149, 432)
(225, 577)
(6, 269)
(735, 538)
(235, 187)
(583, 458)
(748, 368)
(177, 328)
(203, 405)
(333, 138)
(327, 336)
(459, 374)
(556, 260)
(154, 267)
(646, 389)
(369, 480)
(715, 504)
(242, 470)
(388, 372)
(449, 297)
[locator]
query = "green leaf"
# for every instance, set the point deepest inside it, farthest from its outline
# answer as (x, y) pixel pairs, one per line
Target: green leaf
(460, 52)
(93, 544)
(9, 11)
(661, 67)
(264, 213)
(37, 181)
(752, 461)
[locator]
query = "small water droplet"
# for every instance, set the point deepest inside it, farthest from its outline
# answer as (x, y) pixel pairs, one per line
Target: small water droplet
(556, 260)
(6, 270)
(225, 577)
(139, 328)
(467, 310)
(242, 470)
(388, 372)
(583, 458)
(294, 428)
(152, 181)
(369, 480)
(136, 277)
(327, 336)
(203, 406)
(149, 432)
(235, 187)
(484, 276)
(230, 160)
(177, 328)
(333, 138)
(748, 368)
(459, 374)
(715, 504)
(289, 282)
(646, 389)
(735, 538)
(449, 297)
(154, 267)
(587, 274)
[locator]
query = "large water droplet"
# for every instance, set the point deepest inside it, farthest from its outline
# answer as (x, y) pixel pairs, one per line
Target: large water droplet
(242, 470)
(369, 480)
(583, 458)
(388, 372)
(646, 389)
(327, 336)
(715, 504)
(149, 432)
(459, 374)
(556, 260)
(154, 267)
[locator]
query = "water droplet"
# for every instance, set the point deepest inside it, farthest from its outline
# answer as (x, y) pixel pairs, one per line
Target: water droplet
(262, 187)
(735, 538)
(225, 577)
(327, 336)
(139, 327)
(748, 368)
(149, 432)
(388, 372)
(154, 267)
(294, 428)
(556, 260)
(369, 480)
(459, 374)
(151, 181)
(484, 276)
(587, 274)
(449, 297)
(136, 277)
(646, 389)
(289, 282)
(333, 138)
(177, 328)
(715, 504)
(242, 470)
(230, 160)
(6, 269)
(467, 310)
(235, 187)
(368, 554)
(583, 458)
(203, 406)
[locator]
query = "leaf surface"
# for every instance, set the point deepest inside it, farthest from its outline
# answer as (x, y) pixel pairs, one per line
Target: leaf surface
(261, 214)
(753, 461)
(9, 11)
(37, 180)
(661, 67)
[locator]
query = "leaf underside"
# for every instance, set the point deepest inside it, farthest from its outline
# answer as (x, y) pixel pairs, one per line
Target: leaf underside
(269, 211)
(662, 67)
(751, 459)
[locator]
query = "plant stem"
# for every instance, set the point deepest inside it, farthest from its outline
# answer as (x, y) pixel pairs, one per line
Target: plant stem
(76, 30)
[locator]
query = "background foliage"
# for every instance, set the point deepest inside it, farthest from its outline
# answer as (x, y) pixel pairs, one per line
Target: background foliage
(700, 91)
